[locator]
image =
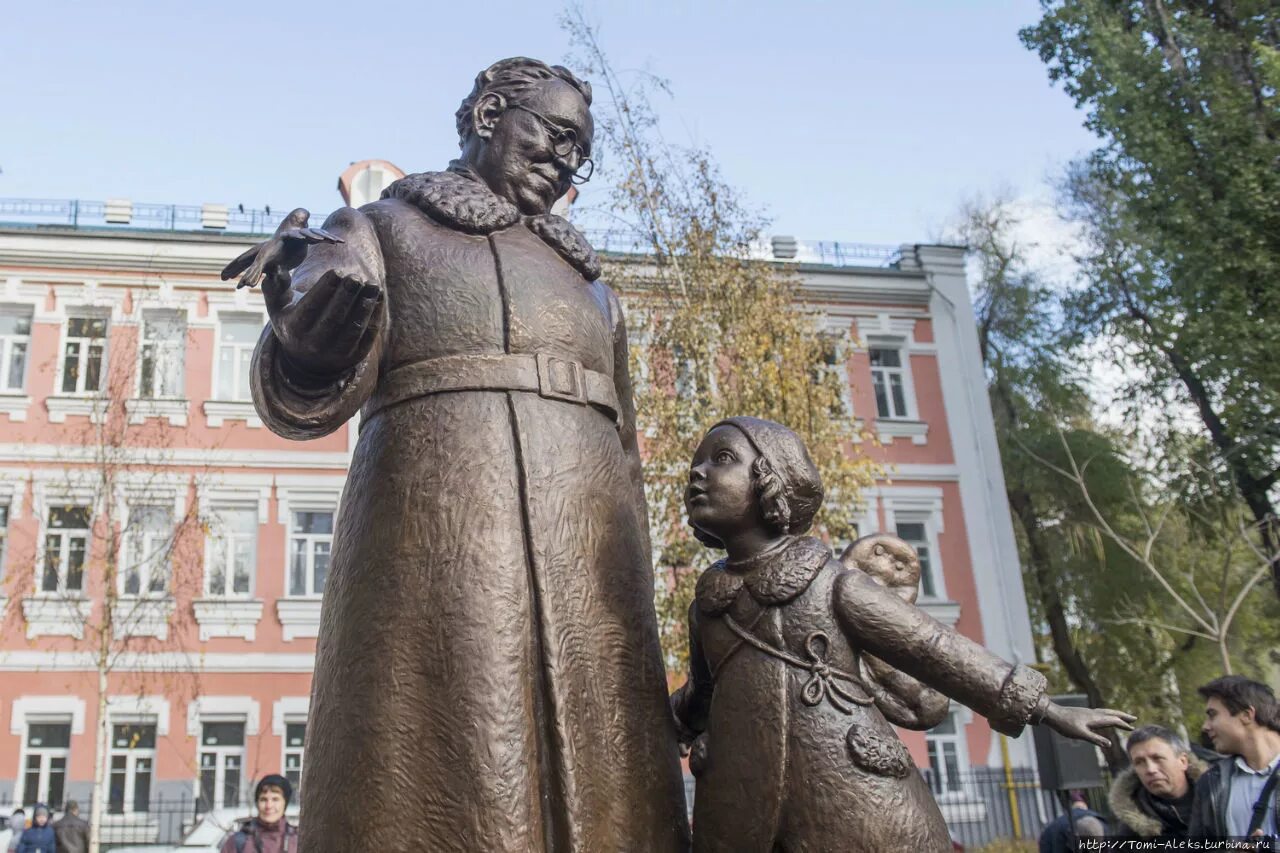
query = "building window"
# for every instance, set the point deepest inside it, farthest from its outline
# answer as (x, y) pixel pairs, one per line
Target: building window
(233, 550)
(4, 535)
(946, 756)
(294, 735)
(888, 378)
(237, 336)
(133, 754)
(66, 546)
(221, 765)
(15, 343)
(916, 534)
(44, 777)
(310, 541)
(164, 338)
(148, 541)
(84, 355)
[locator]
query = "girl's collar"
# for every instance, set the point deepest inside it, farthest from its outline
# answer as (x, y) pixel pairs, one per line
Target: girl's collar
(773, 577)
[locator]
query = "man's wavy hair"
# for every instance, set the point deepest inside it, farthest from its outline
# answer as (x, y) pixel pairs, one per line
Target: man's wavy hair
(512, 78)
(1239, 693)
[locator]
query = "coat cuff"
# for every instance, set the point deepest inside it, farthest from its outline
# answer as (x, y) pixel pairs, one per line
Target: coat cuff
(1019, 698)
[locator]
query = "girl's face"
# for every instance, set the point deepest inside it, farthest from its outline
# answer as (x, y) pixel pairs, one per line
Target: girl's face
(720, 498)
(41, 819)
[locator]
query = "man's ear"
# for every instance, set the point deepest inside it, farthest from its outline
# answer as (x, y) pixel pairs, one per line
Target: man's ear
(484, 115)
(1248, 716)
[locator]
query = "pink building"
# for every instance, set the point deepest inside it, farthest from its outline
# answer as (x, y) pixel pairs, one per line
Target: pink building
(124, 404)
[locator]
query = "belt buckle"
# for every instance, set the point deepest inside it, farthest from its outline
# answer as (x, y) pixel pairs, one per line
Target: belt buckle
(552, 381)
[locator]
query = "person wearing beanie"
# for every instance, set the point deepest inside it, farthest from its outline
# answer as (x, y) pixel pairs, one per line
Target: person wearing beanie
(38, 838)
(269, 831)
(792, 751)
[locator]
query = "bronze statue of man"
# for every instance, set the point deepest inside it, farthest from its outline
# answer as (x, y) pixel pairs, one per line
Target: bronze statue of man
(488, 676)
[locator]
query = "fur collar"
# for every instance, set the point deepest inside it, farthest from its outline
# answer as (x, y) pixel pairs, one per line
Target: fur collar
(1123, 799)
(459, 199)
(773, 578)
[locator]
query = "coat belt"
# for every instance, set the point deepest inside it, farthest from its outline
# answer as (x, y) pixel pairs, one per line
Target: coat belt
(546, 375)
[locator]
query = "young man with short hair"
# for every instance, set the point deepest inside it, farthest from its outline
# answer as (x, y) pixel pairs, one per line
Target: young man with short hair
(72, 831)
(1242, 718)
(1154, 797)
(270, 831)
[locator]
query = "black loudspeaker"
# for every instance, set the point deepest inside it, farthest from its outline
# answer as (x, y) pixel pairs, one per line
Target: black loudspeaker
(1066, 763)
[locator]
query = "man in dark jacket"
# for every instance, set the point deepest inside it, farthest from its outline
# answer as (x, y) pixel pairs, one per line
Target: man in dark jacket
(1153, 799)
(72, 831)
(1063, 834)
(1242, 718)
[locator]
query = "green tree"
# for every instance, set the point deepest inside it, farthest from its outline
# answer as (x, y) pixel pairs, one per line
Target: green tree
(715, 331)
(1181, 208)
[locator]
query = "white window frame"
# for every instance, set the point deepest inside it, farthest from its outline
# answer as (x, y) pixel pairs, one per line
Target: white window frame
(288, 750)
(166, 353)
(919, 505)
(6, 516)
(48, 754)
(9, 341)
(83, 313)
(903, 371)
(64, 534)
(147, 568)
(220, 754)
(132, 756)
(310, 539)
(228, 539)
(936, 744)
(224, 318)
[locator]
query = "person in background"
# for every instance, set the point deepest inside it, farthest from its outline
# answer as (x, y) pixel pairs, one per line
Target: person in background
(1153, 798)
(1062, 835)
(1237, 795)
(17, 823)
(270, 831)
(38, 838)
(72, 831)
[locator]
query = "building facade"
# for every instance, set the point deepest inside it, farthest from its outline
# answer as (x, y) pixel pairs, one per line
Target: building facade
(142, 499)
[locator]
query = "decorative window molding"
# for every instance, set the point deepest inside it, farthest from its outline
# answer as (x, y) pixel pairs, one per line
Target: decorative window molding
(920, 505)
(236, 337)
(92, 406)
(56, 616)
(15, 406)
(142, 617)
(888, 429)
(217, 412)
(946, 612)
(15, 348)
(286, 709)
(299, 617)
(39, 708)
(85, 351)
(140, 409)
(228, 709)
(139, 709)
(228, 618)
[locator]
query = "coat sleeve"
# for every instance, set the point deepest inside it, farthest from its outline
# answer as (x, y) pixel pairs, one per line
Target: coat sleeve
(299, 405)
(691, 703)
(912, 641)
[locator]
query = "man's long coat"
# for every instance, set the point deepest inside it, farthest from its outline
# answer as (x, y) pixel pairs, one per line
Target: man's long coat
(488, 675)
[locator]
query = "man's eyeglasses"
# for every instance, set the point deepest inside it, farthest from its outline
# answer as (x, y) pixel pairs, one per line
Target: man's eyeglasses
(564, 141)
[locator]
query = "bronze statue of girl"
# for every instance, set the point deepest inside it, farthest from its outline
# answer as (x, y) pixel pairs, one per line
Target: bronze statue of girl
(798, 754)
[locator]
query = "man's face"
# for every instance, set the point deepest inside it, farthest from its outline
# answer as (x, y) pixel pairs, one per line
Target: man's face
(521, 164)
(1225, 730)
(720, 497)
(270, 804)
(1162, 771)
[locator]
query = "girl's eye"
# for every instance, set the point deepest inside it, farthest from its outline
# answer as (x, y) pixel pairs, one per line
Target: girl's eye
(724, 456)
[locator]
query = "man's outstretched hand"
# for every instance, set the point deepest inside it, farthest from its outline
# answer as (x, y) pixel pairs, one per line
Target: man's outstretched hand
(1085, 723)
(284, 251)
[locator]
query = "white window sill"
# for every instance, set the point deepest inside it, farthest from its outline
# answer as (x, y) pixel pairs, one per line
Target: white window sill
(300, 617)
(141, 408)
(946, 612)
(53, 615)
(218, 411)
(133, 616)
(961, 807)
(228, 617)
(890, 428)
(92, 406)
(15, 405)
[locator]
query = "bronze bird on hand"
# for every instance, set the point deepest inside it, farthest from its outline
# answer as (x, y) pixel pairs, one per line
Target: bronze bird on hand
(285, 250)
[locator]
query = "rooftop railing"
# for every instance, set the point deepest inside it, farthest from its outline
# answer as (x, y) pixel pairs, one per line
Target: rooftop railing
(122, 214)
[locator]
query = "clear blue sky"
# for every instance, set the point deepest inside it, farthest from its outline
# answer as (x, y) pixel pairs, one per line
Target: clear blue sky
(849, 120)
